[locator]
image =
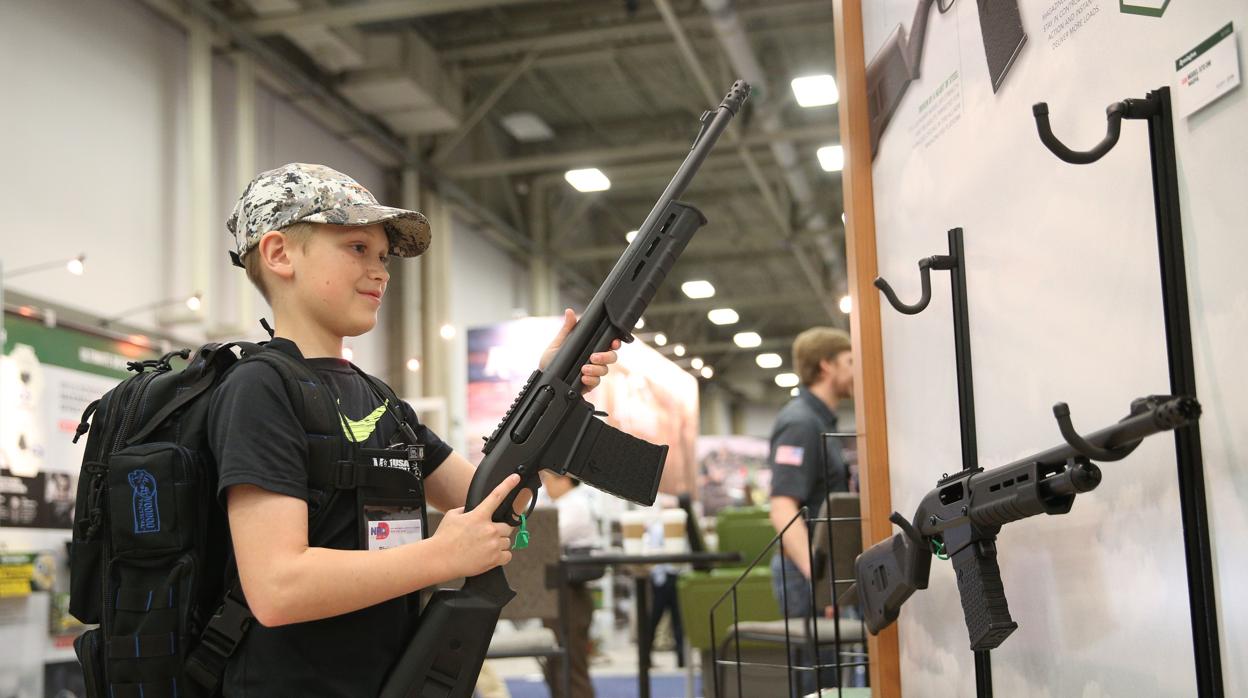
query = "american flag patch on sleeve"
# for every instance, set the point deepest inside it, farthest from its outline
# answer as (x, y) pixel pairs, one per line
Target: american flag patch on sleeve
(789, 455)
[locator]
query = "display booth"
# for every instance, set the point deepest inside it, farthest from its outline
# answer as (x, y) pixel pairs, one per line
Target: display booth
(1070, 272)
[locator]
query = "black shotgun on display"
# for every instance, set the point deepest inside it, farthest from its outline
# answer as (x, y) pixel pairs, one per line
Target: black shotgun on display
(551, 426)
(961, 517)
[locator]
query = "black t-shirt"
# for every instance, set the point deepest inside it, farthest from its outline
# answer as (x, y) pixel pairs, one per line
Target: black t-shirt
(795, 456)
(257, 439)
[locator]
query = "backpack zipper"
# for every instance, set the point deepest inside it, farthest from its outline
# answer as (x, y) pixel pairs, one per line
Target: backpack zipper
(131, 407)
(130, 403)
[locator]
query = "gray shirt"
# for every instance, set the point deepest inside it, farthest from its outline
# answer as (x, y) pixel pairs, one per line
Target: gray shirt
(795, 456)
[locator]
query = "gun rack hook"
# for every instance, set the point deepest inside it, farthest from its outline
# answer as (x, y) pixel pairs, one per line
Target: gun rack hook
(1062, 412)
(925, 278)
(1114, 114)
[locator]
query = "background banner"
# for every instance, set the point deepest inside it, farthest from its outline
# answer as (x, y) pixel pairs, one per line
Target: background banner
(645, 394)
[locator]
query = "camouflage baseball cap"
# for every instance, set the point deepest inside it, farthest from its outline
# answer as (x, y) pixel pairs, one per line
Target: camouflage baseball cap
(302, 193)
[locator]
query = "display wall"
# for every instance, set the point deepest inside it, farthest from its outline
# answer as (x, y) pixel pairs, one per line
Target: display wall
(1065, 305)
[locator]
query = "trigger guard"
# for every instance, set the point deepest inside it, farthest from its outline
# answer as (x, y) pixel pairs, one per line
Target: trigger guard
(514, 520)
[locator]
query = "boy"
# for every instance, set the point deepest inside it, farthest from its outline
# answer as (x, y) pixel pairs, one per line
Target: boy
(333, 607)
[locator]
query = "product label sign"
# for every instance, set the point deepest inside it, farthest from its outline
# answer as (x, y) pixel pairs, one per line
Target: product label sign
(1207, 72)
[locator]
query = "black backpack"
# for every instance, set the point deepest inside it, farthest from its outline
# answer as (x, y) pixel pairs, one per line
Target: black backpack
(151, 559)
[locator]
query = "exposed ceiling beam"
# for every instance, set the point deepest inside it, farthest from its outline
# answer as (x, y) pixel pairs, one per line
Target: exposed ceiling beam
(447, 145)
(358, 121)
(734, 137)
(599, 157)
(367, 12)
(698, 21)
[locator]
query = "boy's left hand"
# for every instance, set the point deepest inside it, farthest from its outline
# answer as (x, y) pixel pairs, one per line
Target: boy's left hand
(592, 372)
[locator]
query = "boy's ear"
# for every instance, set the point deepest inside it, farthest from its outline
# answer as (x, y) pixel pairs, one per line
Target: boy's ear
(275, 254)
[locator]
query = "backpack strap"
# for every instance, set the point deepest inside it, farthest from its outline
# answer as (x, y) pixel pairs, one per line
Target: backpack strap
(223, 633)
(206, 361)
(390, 398)
(313, 404)
(314, 407)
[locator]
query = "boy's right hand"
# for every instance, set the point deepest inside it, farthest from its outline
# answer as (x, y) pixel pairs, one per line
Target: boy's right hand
(472, 542)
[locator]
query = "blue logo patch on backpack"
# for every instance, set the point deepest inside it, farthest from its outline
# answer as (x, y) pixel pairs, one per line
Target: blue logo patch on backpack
(143, 502)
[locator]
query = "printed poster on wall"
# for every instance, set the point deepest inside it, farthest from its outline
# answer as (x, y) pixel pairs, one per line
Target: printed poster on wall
(644, 394)
(48, 376)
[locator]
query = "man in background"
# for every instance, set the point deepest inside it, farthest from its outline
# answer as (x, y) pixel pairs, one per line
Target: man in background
(799, 477)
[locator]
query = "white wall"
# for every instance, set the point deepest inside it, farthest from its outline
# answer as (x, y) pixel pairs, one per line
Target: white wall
(1065, 305)
(95, 136)
(94, 132)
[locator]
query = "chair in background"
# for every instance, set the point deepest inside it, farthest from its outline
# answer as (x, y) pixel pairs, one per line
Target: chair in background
(745, 531)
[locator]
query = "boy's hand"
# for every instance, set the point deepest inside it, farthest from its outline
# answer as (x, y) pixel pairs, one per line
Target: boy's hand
(472, 541)
(592, 372)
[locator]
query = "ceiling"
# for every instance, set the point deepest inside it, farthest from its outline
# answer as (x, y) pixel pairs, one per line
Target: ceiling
(621, 84)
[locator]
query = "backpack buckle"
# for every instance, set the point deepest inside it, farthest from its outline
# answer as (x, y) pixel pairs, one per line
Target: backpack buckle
(346, 475)
(226, 627)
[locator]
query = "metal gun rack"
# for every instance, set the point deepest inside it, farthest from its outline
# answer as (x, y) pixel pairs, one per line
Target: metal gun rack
(805, 652)
(955, 264)
(1156, 110)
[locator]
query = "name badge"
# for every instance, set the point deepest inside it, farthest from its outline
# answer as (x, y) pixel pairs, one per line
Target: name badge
(390, 526)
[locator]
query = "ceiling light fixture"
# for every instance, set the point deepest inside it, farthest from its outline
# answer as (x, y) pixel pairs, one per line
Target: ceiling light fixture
(831, 158)
(815, 90)
(588, 179)
(698, 289)
(527, 127)
(768, 360)
(747, 340)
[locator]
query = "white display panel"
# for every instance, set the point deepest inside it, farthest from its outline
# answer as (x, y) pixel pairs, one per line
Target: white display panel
(1065, 305)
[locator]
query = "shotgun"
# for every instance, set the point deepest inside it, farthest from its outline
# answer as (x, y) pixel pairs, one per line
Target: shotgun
(549, 425)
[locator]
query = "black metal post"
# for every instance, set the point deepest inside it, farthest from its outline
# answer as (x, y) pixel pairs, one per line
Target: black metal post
(962, 350)
(1206, 646)
(641, 585)
(955, 264)
(966, 404)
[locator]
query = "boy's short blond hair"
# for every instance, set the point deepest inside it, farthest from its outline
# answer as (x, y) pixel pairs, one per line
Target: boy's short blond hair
(813, 346)
(297, 234)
